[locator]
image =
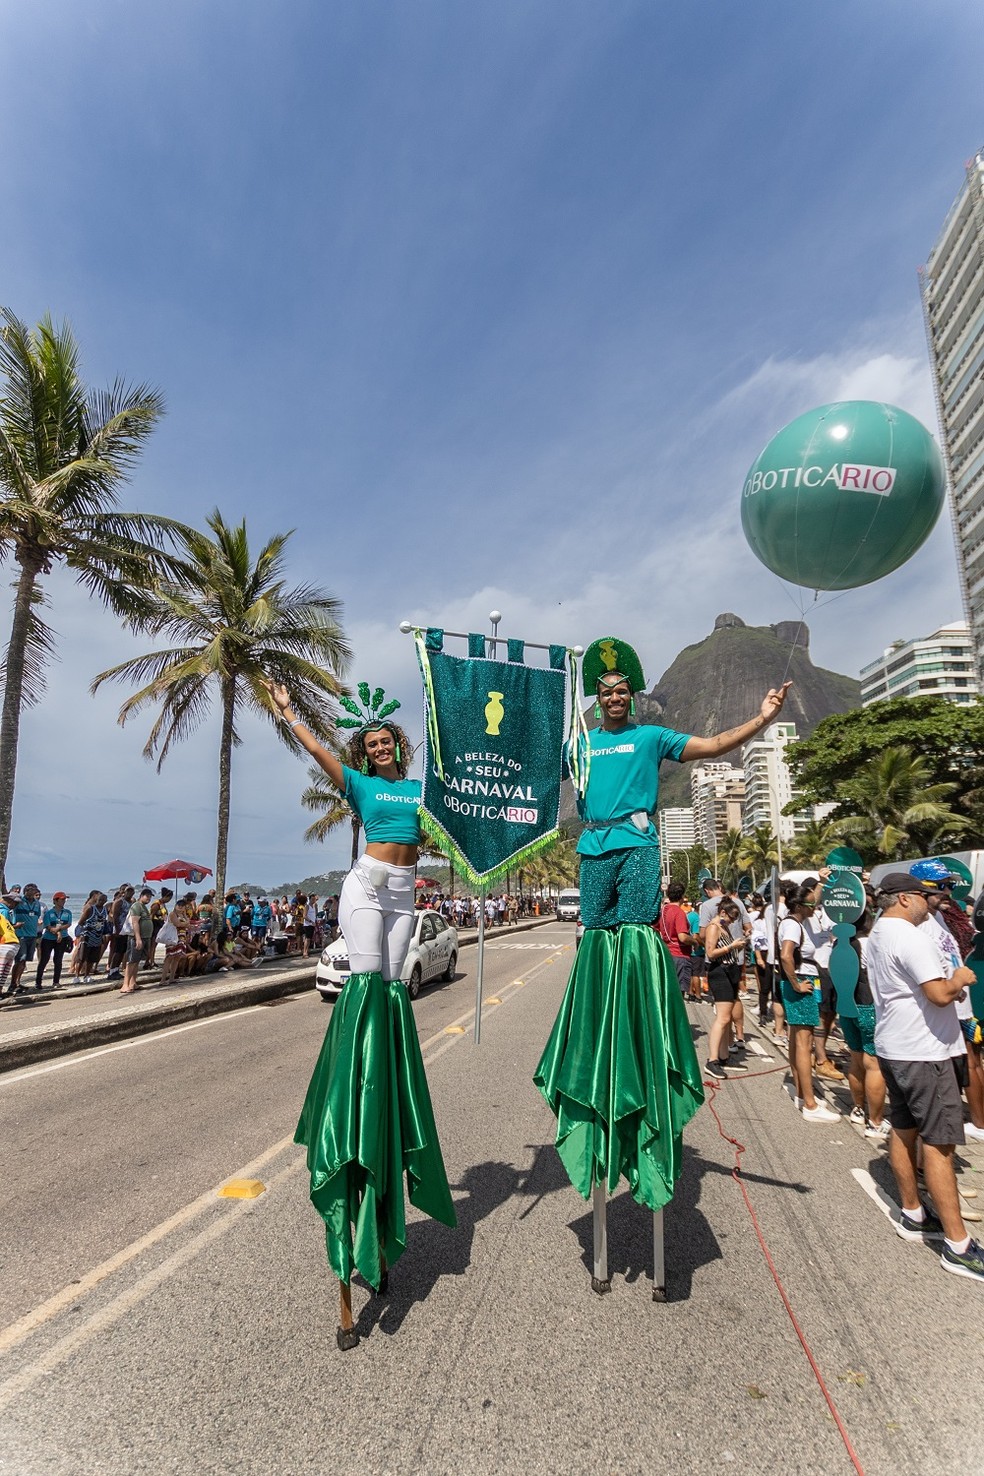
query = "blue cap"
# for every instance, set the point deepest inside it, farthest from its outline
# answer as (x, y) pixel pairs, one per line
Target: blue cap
(932, 873)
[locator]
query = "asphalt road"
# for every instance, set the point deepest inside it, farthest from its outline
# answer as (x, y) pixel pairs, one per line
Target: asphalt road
(149, 1326)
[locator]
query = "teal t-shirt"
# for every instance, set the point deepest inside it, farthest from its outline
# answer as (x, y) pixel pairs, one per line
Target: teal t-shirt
(387, 807)
(624, 780)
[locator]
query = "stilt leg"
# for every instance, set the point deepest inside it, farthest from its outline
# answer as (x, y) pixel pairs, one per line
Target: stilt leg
(346, 1336)
(659, 1261)
(599, 1211)
(384, 1279)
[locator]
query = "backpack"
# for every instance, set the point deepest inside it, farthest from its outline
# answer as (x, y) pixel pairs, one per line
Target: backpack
(8, 933)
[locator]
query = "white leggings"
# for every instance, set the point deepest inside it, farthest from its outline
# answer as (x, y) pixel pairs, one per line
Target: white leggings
(375, 914)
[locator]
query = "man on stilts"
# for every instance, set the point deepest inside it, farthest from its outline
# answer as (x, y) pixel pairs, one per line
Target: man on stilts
(619, 1070)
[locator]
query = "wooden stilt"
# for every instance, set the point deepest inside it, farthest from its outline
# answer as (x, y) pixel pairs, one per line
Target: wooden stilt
(659, 1260)
(600, 1282)
(346, 1336)
(384, 1279)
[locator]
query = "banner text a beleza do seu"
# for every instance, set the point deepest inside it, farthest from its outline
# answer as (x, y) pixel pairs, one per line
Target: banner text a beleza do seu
(492, 767)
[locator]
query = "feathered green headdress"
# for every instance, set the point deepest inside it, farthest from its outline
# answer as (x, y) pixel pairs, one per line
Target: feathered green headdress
(607, 654)
(373, 712)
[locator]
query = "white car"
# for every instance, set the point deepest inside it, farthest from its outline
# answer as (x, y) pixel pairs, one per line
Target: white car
(433, 954)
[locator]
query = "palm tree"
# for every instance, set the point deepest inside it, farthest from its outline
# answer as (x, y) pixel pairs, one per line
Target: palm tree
(334, 808)
(731, 844)
(65, 451)
(759, 852)
(897, 811)
(237, 624)
(812, 844)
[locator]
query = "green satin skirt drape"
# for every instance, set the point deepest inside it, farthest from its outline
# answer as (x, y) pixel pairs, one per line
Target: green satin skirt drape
(619, 1070)
(367, 1120)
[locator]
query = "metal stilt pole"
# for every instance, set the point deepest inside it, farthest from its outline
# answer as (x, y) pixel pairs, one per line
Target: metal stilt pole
(480, 965)
(659, 1259)
(599, 1214)
(346, 1337)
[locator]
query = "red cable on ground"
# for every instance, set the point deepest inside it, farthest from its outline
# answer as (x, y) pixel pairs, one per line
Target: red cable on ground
(740, 1148)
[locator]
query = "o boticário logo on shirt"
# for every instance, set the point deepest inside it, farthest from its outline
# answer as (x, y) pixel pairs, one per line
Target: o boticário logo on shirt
(495, 732)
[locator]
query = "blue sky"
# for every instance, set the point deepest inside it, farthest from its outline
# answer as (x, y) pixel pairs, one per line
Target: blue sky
(493, 302)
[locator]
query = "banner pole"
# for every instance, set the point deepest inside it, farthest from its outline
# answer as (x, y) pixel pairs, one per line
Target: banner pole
(480, 969)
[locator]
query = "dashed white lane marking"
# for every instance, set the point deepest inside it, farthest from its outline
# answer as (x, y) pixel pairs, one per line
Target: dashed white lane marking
(758, 1050)
(530, 947)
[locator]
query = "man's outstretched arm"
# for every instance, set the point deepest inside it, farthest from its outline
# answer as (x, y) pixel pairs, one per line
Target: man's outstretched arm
(708, 748)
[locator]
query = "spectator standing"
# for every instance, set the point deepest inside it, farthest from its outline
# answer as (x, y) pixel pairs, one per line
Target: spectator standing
(140, 931)
(119, 911)
(159, 910)
(247, 907)
(918, 1039)
(93, 924)
(674, 929)
(801, 1002)
(724, 953)
(26, 919)
(55, 939)
(310, 923)
(262, 919)
(9, 941)
(864, 1076)
(759, 940)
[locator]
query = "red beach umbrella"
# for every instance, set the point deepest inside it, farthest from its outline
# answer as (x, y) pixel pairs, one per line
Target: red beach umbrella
(189, 871)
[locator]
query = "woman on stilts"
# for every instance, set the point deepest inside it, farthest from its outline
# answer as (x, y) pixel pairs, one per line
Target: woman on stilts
(367, 1118)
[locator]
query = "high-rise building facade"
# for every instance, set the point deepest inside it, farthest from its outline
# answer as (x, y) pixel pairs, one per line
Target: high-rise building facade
(953, 303)
(718, 794)
(938, 665)
(769, 785)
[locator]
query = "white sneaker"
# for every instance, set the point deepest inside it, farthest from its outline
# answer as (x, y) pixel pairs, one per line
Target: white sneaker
(879, 1130)
(820, 1113)
(857, 1115)
(975, 1134)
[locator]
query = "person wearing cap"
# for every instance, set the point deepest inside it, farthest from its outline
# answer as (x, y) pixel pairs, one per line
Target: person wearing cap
(140, 931)
(159, 910)
(8, 940)
(55, 938)
(619, 1070)
(27, 917)
(919, 1042)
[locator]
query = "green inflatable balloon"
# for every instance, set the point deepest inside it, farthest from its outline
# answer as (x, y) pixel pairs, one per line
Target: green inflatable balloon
(843, 495)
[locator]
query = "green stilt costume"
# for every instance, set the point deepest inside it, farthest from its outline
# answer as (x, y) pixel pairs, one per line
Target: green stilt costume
(367, 1120)
(619, 1070)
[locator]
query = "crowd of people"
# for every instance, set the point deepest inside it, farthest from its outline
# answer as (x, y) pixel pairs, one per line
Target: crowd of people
(122, 937)
(911, 1048)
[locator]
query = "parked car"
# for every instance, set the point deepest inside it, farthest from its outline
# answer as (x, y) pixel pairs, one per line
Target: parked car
(433, 954)
(568, 905)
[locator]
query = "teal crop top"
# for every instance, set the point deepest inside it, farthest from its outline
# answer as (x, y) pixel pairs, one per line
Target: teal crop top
(386, 807)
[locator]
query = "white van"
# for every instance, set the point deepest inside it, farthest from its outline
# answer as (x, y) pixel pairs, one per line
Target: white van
(568, 905)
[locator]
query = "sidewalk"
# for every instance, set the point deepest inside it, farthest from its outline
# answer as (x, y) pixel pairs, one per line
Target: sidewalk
(155, 1005)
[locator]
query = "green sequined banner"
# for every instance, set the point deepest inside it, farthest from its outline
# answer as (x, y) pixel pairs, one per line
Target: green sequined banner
(495, 731)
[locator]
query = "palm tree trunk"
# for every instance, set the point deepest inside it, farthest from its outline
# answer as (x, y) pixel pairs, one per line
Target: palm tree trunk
(12, 699)
(225, 801)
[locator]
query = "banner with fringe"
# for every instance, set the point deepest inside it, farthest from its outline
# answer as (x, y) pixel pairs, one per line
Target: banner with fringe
(492, 770)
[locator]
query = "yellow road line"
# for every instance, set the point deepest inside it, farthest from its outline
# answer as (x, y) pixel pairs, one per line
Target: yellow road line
(31, 1321)
(15, 1386)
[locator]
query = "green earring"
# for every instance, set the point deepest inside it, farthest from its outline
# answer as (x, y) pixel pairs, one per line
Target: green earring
(631, 707)
(598, 712)
(398, 753)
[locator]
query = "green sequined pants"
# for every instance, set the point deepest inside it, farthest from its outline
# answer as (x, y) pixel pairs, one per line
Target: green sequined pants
(620, 887)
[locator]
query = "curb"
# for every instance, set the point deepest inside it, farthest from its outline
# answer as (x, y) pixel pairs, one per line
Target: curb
(29, 1047)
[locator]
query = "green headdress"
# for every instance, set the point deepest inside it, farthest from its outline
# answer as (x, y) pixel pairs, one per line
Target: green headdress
(373, 712)
(608, 654)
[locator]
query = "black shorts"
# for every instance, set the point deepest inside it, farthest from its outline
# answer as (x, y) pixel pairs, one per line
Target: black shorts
(26, 949)
(925, 1095)
(308, 930)
(828, 998)
(723, 983)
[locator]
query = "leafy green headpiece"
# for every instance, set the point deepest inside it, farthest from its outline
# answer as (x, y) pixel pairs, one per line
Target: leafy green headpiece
(608, 654)
(373, 712)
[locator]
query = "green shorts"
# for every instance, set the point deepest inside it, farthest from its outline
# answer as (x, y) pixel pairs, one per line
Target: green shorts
(859, 1034)
(802, 1009)
(621, 887)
